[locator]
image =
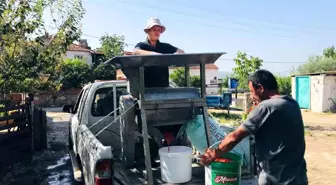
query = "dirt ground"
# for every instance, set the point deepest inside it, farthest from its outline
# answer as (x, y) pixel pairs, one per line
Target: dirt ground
(321, 147)
(320, 131)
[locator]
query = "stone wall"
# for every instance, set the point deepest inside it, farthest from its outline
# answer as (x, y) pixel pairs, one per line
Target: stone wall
(244, 103)
(56, 99)
(248, 103)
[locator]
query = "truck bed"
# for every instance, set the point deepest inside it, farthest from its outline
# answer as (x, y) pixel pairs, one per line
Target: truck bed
(134, 177)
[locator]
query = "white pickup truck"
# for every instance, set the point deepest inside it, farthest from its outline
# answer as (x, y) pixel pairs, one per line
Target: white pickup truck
(94, 142)
(91, 150)
(92, 146)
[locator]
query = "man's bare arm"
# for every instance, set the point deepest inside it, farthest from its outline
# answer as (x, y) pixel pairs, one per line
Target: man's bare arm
(138, 51)
(232, 139)
(179, 51)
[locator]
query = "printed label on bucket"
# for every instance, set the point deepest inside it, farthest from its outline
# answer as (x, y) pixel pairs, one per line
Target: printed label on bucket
(224, 179)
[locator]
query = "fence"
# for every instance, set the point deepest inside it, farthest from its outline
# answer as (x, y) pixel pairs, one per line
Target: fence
(15, 131)
(22, 131)
(39, 129)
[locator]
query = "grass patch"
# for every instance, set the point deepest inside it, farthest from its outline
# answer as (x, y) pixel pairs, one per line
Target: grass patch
(227, 119)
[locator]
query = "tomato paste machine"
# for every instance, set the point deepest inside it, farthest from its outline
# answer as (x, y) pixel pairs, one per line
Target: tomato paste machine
(150, 112)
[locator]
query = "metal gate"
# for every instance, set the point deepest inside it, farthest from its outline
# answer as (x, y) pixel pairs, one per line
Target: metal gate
(303, 91)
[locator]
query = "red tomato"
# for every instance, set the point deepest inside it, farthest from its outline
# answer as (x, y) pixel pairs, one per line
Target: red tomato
(223, 160)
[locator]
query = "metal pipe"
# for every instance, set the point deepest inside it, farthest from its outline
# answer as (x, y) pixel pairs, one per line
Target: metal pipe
(204, 108)
(144, 126)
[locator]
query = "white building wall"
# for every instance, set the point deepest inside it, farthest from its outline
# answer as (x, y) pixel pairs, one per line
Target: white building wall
(316, 93)
(329, 92)
(210, 74)
(86, 55)
(294, 88)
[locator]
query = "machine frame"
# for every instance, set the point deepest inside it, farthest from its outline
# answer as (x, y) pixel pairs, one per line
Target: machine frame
(135, 65)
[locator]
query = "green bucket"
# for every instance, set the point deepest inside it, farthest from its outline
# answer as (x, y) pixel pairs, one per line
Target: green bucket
(229, 173)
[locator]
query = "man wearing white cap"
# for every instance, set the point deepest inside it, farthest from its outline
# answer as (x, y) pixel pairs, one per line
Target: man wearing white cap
(155, 76)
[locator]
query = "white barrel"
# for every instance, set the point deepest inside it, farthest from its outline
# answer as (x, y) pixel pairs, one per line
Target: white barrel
(176, 164)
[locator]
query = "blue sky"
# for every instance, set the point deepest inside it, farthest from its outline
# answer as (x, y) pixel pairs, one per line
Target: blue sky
(282, 33)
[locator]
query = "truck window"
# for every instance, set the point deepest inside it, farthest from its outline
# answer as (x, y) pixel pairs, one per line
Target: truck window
(78, 100)
(85, 95)
(103, 101)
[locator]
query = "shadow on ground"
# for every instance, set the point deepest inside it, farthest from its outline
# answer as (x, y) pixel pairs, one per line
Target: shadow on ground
(321, 128)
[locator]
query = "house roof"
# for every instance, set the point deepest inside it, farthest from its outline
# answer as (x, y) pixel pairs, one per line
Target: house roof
(77, 47)
(320, 73)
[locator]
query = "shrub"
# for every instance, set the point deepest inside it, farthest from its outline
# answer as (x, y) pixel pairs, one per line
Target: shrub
(74, 73)
(284, 84)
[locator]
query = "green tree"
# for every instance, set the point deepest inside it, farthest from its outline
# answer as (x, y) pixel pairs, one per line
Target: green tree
(244, 66)
(74, 73)
(284, 84)
(318, 64)
(104, 72)
(178, 78)
(195, 81)
(225, 81)
(330, 52)
(112, 45)
(28, 52)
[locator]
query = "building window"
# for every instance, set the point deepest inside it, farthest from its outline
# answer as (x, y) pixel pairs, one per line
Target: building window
(215, 78)
(79, 56)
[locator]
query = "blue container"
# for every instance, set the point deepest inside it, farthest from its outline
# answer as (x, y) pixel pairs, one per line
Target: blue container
(214, 101)
(227, 99)
(233, 83)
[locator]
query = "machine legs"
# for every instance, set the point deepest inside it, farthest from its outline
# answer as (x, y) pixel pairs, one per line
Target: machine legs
(207, 126)
(146, 149)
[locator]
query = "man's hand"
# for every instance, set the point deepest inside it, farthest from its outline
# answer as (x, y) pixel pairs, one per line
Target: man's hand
(209, 156)
(155, 53)
(229, 142)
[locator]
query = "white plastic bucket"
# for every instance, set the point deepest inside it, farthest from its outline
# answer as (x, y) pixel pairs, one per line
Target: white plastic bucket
(176, 164)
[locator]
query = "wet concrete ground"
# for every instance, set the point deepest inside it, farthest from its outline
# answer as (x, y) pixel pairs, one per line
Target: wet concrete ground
(51, 166)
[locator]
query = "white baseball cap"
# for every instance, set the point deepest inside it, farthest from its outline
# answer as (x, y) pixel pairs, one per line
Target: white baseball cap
(153, 21)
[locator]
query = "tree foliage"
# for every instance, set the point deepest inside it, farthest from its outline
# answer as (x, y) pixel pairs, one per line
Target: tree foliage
(244, 66)
(317, 64)
(28, 52)
(284, 84)
(104, 72)
(178, 78)
(74, 73)
(330, 52)
(112, 45)
(225, 81)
